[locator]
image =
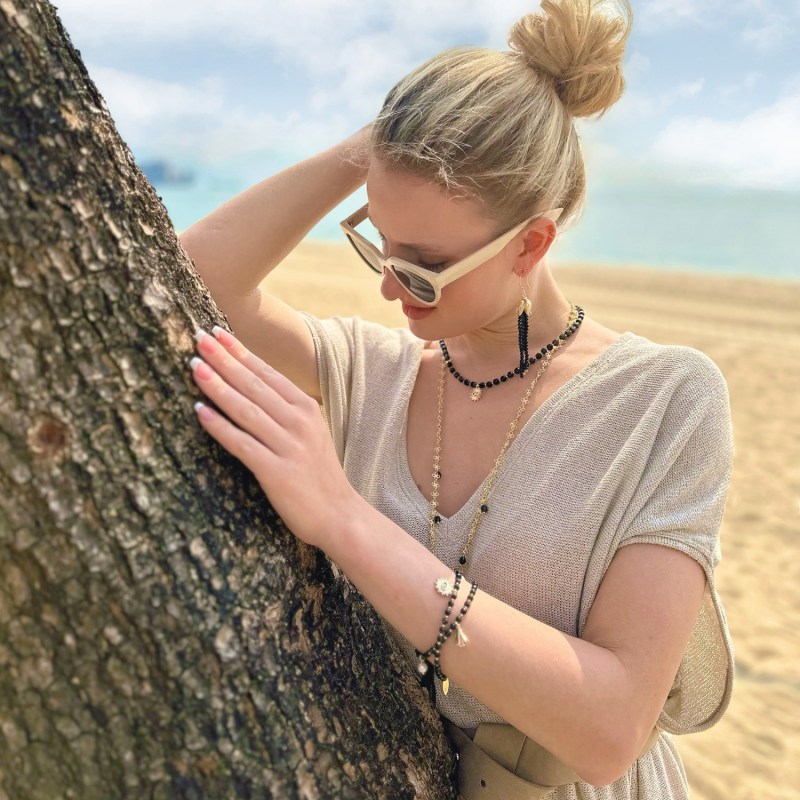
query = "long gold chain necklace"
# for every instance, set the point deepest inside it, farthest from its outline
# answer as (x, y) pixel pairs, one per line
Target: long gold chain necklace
(547, 353)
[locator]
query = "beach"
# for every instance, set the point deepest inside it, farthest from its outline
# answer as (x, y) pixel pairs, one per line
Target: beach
(751, 328)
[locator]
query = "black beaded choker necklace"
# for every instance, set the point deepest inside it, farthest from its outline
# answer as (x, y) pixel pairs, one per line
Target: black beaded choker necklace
(477, 387)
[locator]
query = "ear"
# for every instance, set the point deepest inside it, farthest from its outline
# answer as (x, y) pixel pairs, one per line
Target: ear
(534, 243)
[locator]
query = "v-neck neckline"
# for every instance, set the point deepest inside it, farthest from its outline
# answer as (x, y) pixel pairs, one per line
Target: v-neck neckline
(406, 479)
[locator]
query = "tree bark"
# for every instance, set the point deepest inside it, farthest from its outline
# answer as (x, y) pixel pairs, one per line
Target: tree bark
(161, 633)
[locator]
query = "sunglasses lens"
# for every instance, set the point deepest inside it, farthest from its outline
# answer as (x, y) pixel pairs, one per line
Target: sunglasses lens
(417, 286)
(366, 254)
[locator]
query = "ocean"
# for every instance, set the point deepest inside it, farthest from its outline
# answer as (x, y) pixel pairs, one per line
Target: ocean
(715, 230)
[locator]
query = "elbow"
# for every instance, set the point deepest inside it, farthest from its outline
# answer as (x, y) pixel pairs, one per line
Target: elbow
(608, 761)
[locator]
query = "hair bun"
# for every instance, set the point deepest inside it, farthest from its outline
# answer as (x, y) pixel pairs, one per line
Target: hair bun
(580, 45)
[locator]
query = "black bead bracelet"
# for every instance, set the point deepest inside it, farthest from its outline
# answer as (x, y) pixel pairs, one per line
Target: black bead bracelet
(453, 625)
(422, 667)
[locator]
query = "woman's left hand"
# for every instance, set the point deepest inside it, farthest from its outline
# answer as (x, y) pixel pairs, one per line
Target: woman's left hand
(277, 431)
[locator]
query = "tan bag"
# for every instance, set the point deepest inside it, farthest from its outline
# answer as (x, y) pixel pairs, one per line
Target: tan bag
(501, 763)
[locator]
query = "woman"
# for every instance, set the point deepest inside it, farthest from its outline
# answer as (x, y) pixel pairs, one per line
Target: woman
(574, 475)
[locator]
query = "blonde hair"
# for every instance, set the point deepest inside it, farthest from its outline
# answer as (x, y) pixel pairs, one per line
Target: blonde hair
(498, 125)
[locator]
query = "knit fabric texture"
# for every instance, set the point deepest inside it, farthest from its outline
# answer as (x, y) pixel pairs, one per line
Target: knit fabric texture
(636, 447)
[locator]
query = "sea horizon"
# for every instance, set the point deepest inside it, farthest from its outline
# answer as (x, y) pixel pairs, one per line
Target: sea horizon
(676, 227)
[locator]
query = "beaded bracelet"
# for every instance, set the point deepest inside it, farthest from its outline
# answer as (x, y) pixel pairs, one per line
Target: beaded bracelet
(441, 586)
(462, 639)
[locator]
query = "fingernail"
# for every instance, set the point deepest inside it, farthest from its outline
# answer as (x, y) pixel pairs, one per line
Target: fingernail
(201, 369)
(223, 336)
(203, 411)
(199, 334)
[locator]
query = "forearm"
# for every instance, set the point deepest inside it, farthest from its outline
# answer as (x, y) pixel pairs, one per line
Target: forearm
(567, 694)
(236, 246)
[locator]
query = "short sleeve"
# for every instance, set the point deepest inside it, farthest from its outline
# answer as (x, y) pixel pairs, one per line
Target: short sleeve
(681, 500)
(362, 366)
(334, 342)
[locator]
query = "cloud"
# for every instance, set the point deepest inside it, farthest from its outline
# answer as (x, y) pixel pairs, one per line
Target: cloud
(765, 21)
(306, 31)
(770, 36)
(655, 16)
(750, 81)
(352, 53)
(174, 120)
(140, 101)
(758, 150)
(636, 105)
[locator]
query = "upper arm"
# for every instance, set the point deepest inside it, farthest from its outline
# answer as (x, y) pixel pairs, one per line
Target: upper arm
(644, 612)
(277, 334)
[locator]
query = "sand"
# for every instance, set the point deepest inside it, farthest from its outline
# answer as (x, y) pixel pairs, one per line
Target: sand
(751, 328)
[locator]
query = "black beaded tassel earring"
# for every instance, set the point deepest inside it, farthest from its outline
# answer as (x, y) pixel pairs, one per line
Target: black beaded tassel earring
(524, 310)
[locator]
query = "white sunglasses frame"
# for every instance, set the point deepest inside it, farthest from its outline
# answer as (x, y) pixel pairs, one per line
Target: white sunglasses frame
(438, 280)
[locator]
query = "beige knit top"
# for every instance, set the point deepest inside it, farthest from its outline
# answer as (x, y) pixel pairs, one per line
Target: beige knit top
(636, 447)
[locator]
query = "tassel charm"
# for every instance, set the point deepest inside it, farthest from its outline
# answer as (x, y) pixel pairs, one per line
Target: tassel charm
(524, 311)
(461, 637)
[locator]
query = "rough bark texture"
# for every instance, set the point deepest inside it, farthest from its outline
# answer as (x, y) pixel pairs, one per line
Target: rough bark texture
(161, 634)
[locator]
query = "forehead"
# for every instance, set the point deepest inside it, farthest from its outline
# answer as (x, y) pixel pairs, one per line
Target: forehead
(407, 208)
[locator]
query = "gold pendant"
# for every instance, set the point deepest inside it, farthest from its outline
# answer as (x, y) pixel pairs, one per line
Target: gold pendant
(461, 636)
(476, 394)
(446, 685)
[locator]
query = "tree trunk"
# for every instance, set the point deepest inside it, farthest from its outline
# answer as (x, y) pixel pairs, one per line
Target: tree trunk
(161, 633)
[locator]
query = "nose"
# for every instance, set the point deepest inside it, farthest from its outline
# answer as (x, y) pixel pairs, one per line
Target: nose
(391, 288)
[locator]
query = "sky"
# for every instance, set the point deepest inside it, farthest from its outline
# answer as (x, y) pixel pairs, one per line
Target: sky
(712, 95)
(696, 167)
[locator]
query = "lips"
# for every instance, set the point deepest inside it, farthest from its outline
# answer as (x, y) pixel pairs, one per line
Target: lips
(416, 312)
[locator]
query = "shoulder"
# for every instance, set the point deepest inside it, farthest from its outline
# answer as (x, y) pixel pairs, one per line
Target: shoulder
(686, 371)
(668, 369)
(681, 394)
(641, 393)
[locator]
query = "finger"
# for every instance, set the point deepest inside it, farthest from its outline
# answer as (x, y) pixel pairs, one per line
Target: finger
(254, 380)
(276, 380)
(242, 411)
(255, 455)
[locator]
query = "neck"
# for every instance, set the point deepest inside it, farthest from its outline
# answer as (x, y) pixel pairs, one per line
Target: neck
(494, 347)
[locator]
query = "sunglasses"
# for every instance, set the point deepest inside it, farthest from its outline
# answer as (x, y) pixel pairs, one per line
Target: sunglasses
(424, 284)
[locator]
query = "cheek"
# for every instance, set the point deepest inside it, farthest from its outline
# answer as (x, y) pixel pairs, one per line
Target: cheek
(480, 289)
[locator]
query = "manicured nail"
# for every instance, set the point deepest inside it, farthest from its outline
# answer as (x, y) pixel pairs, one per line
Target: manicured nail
(223, 336)
(205, 343)
(203, 411)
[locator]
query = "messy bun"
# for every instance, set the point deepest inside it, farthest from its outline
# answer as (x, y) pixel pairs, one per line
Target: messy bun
(580, 46)
(499, 125)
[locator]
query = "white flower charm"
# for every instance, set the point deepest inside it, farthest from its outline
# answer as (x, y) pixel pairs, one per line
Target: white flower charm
(443, 586)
